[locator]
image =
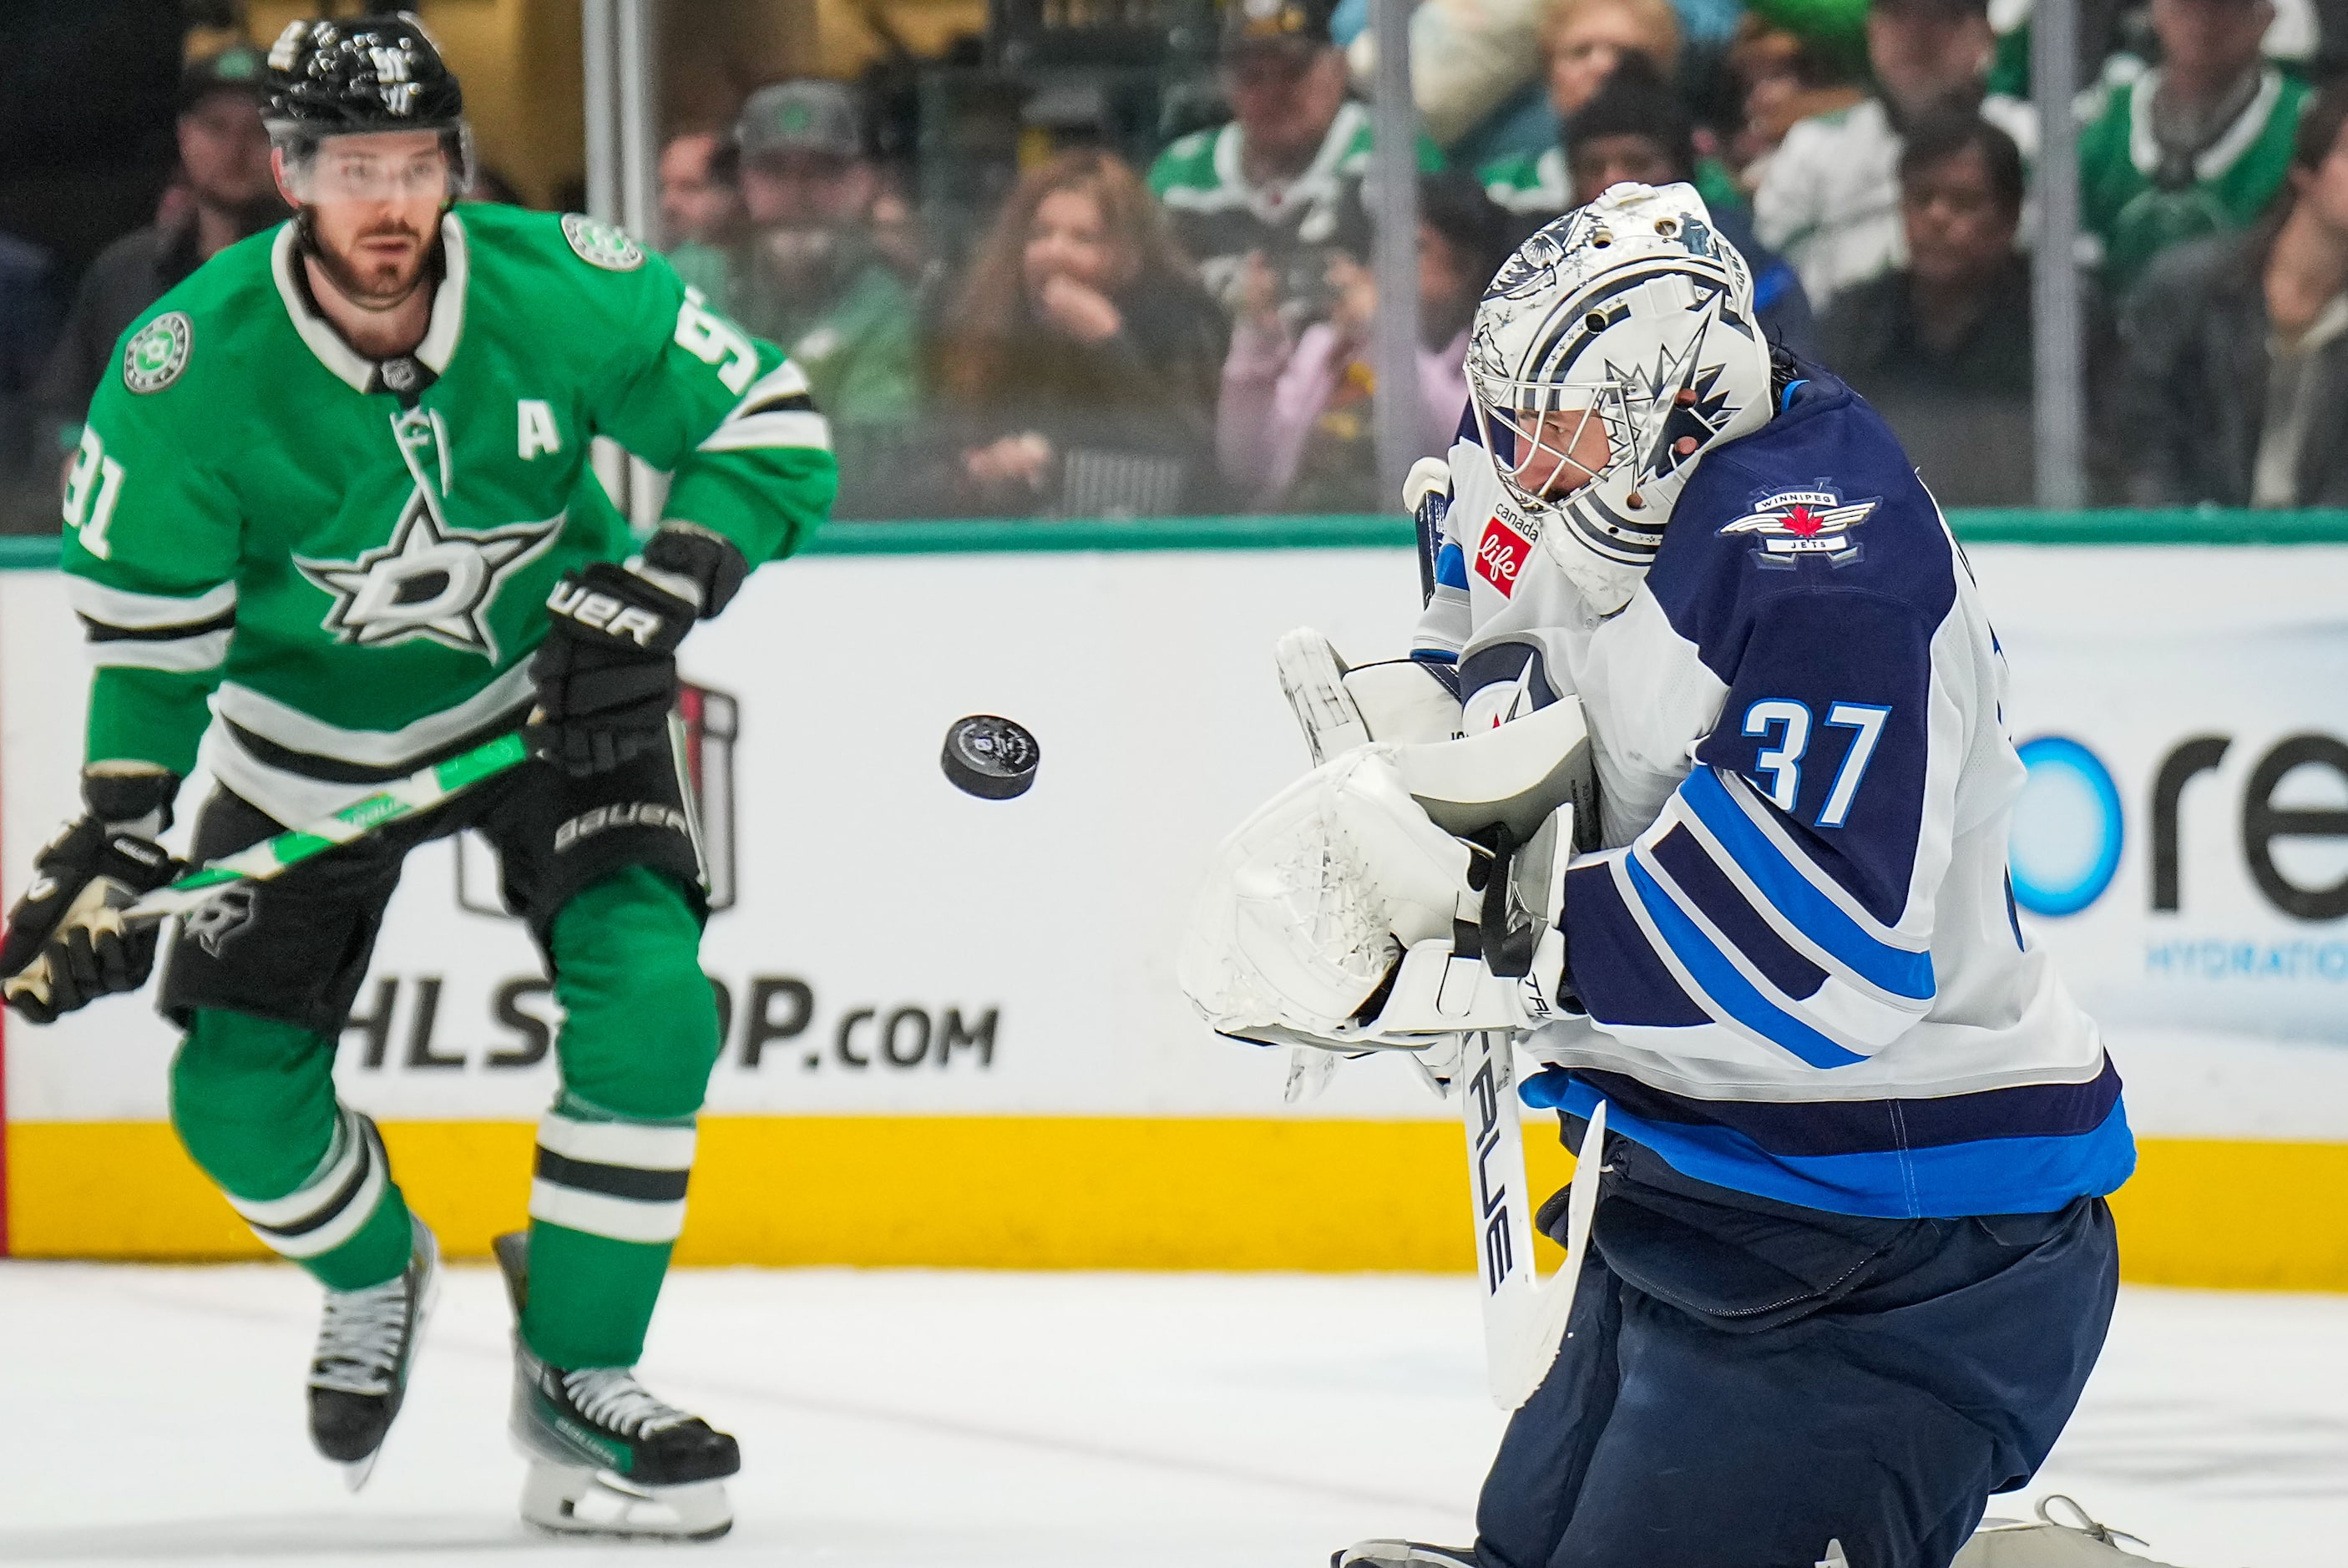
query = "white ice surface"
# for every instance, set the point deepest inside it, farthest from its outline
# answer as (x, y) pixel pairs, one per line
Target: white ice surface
(910, 1420)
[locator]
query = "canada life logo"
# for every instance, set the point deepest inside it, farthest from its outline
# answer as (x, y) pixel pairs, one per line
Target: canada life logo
(1500, 554)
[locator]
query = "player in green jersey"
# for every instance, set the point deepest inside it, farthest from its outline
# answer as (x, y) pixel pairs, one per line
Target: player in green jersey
(338, 494)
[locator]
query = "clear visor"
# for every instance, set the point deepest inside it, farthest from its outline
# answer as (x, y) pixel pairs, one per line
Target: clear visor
(1548, 440)
(396, 167)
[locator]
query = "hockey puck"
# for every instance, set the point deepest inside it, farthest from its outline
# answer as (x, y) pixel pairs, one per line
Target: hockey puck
(990, 757)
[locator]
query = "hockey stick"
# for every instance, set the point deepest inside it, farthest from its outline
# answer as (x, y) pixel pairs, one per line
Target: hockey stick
(1524, 1315)
(419, 791)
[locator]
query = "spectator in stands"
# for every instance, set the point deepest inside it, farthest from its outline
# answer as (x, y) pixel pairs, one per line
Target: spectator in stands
(1583, 41)
(1636, 128)
(700, 189)
(1081, 364)
(701, 207)
(1284, 176)
(804, 276)
(1942, 346)
(2197, 145)
(227, 193)
(2234, 389)
(1293, 429)
(1828, 198)
(1781, 74)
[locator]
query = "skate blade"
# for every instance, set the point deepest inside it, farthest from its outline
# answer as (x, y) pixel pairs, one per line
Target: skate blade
(355, 1473)
(560, 1500)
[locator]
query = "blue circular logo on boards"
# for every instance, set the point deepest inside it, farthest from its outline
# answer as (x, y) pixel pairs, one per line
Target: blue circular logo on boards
(2067, 828)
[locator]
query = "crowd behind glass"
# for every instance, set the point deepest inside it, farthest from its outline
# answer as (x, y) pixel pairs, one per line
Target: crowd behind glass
(1168, 310)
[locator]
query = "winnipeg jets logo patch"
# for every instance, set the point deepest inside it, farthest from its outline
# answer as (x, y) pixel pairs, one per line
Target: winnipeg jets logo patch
(1793, 523)
(426, 581)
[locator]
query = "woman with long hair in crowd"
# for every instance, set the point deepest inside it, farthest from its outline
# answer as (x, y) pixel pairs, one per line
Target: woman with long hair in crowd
(1082, 360)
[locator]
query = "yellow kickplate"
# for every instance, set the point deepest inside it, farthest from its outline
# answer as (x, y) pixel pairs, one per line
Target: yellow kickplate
(1089, 1192)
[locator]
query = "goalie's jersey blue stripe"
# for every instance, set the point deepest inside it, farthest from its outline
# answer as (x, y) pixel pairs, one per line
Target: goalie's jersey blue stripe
(1705, 890)
(1890, 968)
(2044, 1152)
(1451, 567)
(1720, 980)
(1621, 979)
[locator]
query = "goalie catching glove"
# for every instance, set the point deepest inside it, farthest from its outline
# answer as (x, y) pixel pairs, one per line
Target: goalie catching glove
(1399, 895)
(67, 943)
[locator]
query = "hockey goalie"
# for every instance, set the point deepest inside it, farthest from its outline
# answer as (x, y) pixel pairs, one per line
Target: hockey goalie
(1737, 894)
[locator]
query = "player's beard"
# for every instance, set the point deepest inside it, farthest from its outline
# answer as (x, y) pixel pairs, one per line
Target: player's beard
(372, 285)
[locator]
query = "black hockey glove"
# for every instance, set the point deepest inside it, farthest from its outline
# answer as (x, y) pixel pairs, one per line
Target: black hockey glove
(66, 944)
(606, 673)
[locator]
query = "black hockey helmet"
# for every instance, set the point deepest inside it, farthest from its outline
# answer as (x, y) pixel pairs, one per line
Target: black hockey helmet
(377, 73)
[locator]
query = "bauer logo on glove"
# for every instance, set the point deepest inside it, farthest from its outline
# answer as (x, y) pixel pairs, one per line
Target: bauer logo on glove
(606, 673)
(605, 614)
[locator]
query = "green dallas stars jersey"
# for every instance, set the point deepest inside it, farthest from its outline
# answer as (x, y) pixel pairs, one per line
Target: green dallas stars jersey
(354, 579)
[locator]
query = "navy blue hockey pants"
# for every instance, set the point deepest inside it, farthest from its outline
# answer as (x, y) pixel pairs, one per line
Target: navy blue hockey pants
(1743, 1411)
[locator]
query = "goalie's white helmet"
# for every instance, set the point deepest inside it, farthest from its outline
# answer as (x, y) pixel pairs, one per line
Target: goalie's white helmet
(1632, 312)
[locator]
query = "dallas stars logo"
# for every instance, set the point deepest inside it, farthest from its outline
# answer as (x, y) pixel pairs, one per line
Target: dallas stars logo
(427, 582)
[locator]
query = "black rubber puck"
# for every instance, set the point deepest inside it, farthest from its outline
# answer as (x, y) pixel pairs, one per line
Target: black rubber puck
(990, 757)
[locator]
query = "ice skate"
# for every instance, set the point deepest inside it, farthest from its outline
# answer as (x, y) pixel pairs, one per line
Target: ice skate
(607, 1457)
(367, 1346)
(1401, 1554)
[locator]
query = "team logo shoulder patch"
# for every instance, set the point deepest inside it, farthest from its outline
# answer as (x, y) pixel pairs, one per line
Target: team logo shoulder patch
(1500, 555)
(158, 352)
(602, 245)
(1790, 524)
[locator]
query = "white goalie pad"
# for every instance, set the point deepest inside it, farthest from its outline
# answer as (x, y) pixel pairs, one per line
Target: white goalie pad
(2076, 1541)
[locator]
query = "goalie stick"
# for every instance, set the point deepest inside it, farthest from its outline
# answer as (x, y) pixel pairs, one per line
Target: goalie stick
(1524, 1315)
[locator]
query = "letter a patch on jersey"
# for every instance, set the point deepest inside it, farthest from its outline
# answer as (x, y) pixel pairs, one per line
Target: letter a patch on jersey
(1500, 555)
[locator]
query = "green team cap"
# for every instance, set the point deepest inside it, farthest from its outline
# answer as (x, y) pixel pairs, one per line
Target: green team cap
(805, 116)
(1835, 29)
(239, 69)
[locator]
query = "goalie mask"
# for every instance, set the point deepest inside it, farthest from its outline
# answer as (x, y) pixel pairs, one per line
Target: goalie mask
(1614, 350)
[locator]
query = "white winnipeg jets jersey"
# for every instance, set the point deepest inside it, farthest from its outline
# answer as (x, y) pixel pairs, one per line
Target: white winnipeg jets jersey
(1797, 947)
